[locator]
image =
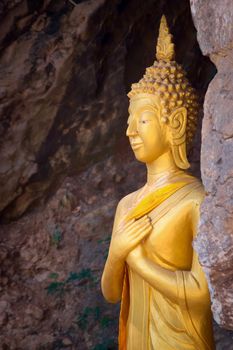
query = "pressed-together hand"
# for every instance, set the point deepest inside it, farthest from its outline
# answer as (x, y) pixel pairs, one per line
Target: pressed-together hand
(129, 236)
(135, 255)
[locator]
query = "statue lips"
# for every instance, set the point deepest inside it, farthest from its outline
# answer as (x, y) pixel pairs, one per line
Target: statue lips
(136, 146)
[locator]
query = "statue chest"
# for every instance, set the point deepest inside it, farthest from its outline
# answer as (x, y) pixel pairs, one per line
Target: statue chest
(170, 242)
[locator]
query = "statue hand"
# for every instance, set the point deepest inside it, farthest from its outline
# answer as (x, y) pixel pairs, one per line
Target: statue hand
(135, 255)
(129, 236)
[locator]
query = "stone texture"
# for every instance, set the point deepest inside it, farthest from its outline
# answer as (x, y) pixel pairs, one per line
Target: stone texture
(52, 260)
(43, 132)
(65, 163)
(64, 72)
(214, 23)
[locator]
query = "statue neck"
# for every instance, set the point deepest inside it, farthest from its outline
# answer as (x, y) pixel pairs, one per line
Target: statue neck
(161, 168)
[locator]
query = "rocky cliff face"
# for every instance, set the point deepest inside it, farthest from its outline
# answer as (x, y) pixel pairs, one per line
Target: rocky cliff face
(214, 23)
(65, 163)
(61, 92)
(65, 71)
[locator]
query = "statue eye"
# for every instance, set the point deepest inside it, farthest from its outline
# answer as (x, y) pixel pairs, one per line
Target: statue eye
(145, 117)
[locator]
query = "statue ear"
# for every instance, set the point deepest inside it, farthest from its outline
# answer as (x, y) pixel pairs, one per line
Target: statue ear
(177, 124)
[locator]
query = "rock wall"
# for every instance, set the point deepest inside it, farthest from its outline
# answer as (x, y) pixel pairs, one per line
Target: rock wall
(56, 64)
(65, 72)
(52, 260)
(214, 24)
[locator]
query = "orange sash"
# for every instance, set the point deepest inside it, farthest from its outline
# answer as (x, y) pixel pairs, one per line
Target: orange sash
(155, 198)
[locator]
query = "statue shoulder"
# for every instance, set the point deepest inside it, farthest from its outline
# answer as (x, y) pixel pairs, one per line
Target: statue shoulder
(187, 209)
(124, 205)
(127, 202)
(194, 195)
(195, 189)
(198, 192)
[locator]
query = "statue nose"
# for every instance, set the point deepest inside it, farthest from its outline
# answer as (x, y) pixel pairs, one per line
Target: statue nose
(132, 129)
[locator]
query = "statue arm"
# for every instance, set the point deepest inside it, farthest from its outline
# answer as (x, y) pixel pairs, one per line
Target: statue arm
(125, 238)
(192, 285)
(158, 277)
(113, 274)
(175, 285)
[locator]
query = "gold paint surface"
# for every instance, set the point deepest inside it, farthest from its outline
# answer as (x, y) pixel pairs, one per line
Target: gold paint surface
(151, 266)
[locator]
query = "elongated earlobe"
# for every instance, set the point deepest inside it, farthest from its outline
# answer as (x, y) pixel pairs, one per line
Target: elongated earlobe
(177, 124)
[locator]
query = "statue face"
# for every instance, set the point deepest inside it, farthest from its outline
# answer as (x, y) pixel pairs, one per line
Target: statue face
(147, 138)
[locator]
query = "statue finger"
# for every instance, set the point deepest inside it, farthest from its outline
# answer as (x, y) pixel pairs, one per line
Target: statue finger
(143, 231)
(137, 227)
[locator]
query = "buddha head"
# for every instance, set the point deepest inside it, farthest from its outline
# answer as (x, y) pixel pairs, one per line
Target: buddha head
(163, 107)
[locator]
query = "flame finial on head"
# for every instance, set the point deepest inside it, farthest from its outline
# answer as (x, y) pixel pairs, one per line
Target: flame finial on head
(165, 47)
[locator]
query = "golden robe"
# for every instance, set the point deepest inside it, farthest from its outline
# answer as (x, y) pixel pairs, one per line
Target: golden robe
(150, 320)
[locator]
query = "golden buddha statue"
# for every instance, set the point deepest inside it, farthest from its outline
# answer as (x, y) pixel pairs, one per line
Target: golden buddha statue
(151, 266)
